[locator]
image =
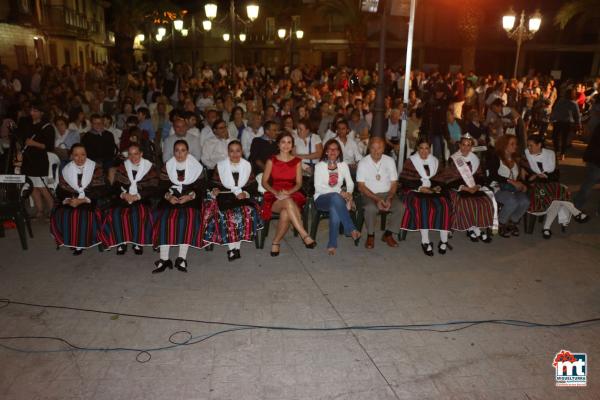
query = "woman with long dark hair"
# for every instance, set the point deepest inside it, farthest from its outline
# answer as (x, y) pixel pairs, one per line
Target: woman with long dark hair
(282, 180)
(331, 175)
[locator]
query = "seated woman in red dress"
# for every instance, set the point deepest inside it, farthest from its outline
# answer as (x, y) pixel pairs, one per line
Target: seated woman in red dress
(282, 181)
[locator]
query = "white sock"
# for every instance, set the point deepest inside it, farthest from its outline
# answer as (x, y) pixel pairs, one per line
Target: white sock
(164, 252)
(444, 236)
(234, 246)
(183, 249)
(424, 236)
(476, 230)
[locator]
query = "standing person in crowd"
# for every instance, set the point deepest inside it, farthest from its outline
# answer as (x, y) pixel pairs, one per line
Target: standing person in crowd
(377, 179)
(427, 206)
(129, 219)
(511, 192)
(282, 180)
(178, 218)
(547, 195)
(308, 145)
(76, 219)
(434, 120)
(264, 147)
(474, 208)
(565, 117)
(331, 175)
(39, 139)
(232, 217)
(458, 96)
(215, 148)
(592, 167)
(181, 133)
(100, 146)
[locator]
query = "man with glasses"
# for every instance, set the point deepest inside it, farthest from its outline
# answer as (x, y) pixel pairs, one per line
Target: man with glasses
(215, 147)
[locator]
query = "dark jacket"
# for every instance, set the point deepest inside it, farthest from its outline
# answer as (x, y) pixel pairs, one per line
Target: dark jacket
(592, 153)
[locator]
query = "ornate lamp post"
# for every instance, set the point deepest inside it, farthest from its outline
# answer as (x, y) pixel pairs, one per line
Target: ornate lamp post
(282, 34)
(521, 33)
(252, 10)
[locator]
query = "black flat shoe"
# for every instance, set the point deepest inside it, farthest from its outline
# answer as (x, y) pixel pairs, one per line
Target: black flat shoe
(275, 253)
(161, 266)
(138, 250)
(237, 254)
(233, 255)
(546, 233)
(504, 231)
(514, 230)
(311, 245)
(485, 238)
(443, 250)
(121, 249)
(473, 236)
(181, 264)
(581, 218)
(427, 249)
(77, 252)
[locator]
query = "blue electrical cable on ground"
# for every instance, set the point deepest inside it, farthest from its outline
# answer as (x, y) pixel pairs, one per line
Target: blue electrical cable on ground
(144, 354)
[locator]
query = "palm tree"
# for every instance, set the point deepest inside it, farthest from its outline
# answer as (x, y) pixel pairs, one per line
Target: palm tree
(128, 18)
(468, 27)
(354, 21)
(582, 10)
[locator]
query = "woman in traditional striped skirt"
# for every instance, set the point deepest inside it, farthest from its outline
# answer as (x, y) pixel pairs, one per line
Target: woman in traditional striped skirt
(474, 208)
(547, 196)
(178, 219)
(232, 217)
(129, 220)
(76, 220)
(427, 207)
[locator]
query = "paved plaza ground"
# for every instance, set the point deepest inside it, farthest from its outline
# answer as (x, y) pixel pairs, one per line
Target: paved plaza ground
(524, 278)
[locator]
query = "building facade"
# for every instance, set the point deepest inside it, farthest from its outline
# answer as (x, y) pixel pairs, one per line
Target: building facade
(55, 32)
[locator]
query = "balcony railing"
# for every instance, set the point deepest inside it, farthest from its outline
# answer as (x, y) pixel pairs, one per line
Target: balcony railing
(66, 20)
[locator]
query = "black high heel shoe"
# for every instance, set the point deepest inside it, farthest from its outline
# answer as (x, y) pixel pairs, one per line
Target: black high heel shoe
(546, 233)
(138, 250)
(275, 253)
(161, 266)
(443, 251)
(77, 252)
(581, 218)
(427, 249)
(472, 235)
(309, 245)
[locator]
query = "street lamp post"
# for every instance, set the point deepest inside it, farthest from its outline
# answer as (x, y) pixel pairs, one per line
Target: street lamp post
(211, 13)
(282, 33)
(521, 33)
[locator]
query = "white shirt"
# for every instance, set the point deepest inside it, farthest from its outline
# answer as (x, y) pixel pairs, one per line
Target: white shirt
(205, 134)
(248, 136)
(233, 130)
(307, 146)
(213, 151)
(193, 131)
(350, 151)
(331, 135)
(322, 179)
(368, 171)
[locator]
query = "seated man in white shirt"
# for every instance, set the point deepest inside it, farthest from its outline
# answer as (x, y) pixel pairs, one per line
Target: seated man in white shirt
(206, 133)
(252, 131)
(180, 128)
(215, 148)
(191, 120)
(349, 146)
(377, 179)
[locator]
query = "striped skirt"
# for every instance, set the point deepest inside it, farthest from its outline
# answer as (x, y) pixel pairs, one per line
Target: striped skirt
(76, 227)
(232, 225)
(542, 194)
(469, 210)
(178, 225)
(127, 224)
(426, 211)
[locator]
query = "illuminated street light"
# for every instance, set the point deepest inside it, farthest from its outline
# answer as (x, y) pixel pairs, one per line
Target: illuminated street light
(207, 25)
(226, 37)
(299, 34)
(158, 37)
(520, 33)
(162, 31)
(242, 37)
(178, 24)
(210, 10)
(141, 37)
(281, 33)
(252, 11)
(184, 32)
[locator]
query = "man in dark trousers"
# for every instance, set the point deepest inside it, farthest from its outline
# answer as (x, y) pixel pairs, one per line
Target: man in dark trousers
(565, 116)
(100, 146)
